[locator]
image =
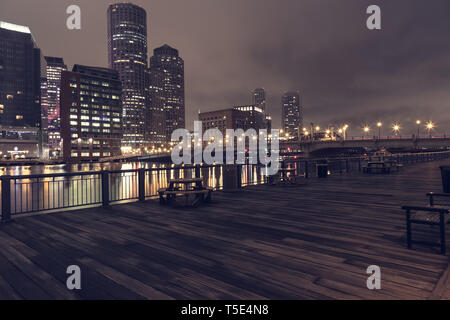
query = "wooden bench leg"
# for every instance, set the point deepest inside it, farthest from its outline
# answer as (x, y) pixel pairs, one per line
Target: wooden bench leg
(408, 228)
(161, 199)
(442, 229)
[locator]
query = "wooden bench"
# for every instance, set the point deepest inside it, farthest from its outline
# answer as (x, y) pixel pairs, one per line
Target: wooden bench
(192, 186)
(432, 216)
(432, 197)
(284, 176)
(377, 167)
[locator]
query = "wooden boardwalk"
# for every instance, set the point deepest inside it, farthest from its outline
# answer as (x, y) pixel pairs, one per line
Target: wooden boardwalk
(313, 241)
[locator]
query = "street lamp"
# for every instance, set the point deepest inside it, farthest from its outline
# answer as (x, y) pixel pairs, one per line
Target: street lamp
(379, 125)
(418, 122)
(366, 130)
(430, 127)
(396, 128)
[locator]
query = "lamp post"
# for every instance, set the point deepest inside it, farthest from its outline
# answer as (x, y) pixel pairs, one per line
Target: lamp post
(91, 152)
(366, 130)
(430, 127)
(345, 131)
(396, 129)
(379, 125)
(418, 122)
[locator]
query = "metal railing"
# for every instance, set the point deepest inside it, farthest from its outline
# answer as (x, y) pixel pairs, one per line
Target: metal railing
(54, 192)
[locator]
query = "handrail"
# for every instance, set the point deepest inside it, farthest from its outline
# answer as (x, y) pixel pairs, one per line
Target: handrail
(103, 187)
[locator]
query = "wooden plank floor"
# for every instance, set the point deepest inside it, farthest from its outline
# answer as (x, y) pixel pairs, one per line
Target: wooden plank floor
(313, 241)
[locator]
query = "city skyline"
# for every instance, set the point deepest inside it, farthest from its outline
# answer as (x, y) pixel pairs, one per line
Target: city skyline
(368, 76)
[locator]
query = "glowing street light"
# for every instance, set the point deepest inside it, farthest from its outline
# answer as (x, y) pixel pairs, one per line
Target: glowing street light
(418, 122)
(396, 128)
(366, 129)
(379, 125)
(345, 131)
(430, 126)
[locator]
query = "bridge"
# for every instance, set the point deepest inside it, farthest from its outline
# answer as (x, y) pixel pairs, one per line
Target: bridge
(404, 143)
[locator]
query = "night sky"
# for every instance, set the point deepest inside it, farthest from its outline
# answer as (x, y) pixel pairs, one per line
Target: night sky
(345, 73)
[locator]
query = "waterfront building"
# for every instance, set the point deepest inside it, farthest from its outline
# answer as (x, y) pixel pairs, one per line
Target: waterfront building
(239, 117)
(20, 82)
(255, 117)
(91, 113)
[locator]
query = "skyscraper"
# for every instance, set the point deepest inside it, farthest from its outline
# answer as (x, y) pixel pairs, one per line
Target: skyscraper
(127, 53)
(292, 114)
(54, 68)
(166, 60)
(259, 98)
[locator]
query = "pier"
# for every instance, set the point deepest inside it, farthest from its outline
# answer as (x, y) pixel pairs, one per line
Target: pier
(311, 241)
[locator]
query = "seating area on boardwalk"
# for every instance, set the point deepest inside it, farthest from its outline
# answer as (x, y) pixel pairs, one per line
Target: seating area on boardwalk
(311, 241)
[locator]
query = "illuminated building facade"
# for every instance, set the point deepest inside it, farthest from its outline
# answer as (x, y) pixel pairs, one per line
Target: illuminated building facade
(155, 117)
(168, 64)
(292, 114)
(127, 53)
(20, 77)
(91, 113)
(44, 118)
(52, 102)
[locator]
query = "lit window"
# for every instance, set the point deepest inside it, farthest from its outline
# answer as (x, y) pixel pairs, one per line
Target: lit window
(73, 123)
(19, 117)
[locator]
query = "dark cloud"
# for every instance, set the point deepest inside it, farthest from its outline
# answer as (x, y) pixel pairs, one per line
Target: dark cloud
(345, 73)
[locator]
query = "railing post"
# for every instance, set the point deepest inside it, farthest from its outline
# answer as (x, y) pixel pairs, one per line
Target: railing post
(141, 183)
(105, 188)
(239, 175)
(197, 171)
(6, 199)
(306, 170)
